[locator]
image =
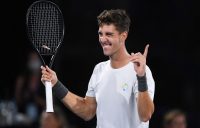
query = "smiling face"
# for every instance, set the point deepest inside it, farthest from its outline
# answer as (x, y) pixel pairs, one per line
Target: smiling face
(111, 40)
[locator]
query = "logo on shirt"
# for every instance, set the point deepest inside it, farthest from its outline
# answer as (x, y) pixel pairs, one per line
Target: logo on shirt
(124, 86)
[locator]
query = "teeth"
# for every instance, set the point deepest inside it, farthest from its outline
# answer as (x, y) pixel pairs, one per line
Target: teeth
(107, 44)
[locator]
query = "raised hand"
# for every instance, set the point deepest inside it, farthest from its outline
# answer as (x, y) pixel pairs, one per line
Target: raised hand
(48, 75)
(139, 61)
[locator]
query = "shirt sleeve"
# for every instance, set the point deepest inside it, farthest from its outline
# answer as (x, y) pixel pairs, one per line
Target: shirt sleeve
(92, 83)
(150, 84)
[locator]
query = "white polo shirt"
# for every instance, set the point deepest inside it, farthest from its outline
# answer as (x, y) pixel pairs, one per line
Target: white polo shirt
(116, 91)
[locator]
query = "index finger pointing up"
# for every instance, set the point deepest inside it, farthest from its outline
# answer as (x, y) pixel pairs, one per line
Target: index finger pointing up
(146, 50)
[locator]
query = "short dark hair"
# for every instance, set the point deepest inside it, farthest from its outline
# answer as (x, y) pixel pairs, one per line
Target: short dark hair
(117, 17)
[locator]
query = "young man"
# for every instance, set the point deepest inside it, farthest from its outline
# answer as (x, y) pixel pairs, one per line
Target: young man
(120, 90)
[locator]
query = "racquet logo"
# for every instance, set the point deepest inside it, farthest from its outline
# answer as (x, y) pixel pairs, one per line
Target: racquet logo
(46, 47)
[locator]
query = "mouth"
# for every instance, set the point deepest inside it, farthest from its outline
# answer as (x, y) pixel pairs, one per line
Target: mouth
(107, 44)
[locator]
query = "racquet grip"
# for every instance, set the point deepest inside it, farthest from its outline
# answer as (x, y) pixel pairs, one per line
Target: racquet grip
(49, 99)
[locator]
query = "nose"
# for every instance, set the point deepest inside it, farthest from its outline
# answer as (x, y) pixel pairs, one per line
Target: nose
(102, 39)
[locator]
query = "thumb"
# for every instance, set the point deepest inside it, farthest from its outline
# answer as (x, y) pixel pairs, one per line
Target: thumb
(42, 67)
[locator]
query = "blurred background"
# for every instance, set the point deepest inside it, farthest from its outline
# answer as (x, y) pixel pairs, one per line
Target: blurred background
(171, 27)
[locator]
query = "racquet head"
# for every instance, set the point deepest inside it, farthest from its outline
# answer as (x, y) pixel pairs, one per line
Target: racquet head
(45, 27)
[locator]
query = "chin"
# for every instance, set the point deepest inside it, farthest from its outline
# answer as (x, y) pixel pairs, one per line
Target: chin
(106, 54)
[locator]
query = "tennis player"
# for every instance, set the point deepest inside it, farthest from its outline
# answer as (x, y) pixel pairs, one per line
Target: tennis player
(121, 89)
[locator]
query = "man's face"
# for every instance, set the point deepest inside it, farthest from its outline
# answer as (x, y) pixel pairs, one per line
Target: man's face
(110, 39)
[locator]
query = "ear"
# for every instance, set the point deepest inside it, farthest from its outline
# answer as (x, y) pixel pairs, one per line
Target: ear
(124, 35)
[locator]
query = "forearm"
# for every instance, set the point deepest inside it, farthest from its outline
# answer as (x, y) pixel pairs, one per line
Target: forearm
(80, 106)
(145, 106)
(83, 107)
(144, 101)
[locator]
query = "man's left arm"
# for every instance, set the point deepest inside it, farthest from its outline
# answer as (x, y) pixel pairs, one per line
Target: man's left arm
(144, 100)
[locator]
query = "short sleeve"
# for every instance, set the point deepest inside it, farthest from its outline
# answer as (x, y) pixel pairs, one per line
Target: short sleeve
(92, 83)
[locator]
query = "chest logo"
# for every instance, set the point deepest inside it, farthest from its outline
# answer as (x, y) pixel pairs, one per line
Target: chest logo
(124, 86)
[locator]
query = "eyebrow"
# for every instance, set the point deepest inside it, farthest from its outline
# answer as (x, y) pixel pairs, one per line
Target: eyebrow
(107, 33)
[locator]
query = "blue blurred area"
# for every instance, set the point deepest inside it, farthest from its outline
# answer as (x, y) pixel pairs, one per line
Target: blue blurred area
(171, 27)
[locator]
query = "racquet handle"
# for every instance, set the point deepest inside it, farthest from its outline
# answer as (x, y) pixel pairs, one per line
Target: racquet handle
(49, 99)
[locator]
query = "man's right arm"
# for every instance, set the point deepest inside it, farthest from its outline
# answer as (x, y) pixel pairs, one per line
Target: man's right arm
(83, 107)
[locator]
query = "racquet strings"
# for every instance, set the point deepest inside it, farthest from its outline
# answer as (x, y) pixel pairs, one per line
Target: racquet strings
(45, 27)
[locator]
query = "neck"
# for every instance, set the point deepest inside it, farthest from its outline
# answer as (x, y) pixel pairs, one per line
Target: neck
(120, 58)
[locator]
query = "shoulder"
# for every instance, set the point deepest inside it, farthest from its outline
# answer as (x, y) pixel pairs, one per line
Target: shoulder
(101, 66)
(148, 68)
(149, 73)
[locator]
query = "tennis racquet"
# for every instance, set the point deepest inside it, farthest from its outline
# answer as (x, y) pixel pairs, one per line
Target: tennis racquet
(45, 29)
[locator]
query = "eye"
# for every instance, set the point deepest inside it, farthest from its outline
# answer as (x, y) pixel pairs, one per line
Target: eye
(100, 33)
(109, 34)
